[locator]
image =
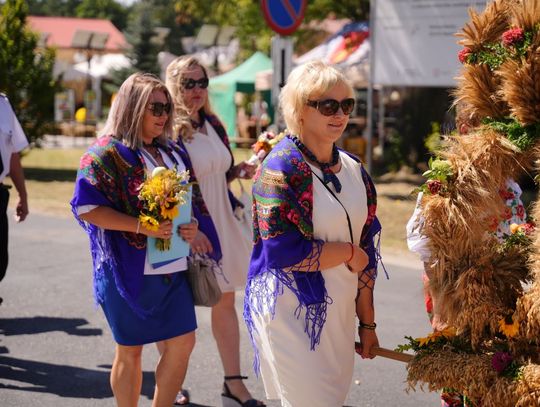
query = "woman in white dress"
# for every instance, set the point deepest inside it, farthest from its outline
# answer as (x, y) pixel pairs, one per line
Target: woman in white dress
(314, 262)
(205, 141)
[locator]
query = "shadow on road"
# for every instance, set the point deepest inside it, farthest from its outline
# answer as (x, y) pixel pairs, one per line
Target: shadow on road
(49, 174)
(64, 381)
(37, 325)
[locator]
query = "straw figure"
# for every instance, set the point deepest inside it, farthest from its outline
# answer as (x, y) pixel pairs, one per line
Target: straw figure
(487, 290)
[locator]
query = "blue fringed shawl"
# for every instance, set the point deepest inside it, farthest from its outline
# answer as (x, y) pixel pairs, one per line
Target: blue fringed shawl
(110, 174)
(283, 238)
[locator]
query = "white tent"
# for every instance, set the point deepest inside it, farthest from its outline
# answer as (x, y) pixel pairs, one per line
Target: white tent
(102, 65)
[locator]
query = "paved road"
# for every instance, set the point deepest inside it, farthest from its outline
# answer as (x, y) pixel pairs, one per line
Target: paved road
(56, 349)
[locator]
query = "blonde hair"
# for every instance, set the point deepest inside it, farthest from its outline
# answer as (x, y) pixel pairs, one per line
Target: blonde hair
(125, 119)
(307, 82)
(174, 77)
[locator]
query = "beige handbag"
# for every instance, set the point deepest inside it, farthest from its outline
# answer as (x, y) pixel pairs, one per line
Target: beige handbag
(203, 282)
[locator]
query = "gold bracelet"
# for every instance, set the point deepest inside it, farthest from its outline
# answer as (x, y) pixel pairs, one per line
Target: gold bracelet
(367, 326)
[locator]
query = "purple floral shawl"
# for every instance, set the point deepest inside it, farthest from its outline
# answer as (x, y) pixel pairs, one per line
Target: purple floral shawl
(283, 237)
(110, 174)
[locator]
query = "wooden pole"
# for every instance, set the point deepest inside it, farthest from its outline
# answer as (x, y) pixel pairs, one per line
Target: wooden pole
(388, 353)
(392, 354)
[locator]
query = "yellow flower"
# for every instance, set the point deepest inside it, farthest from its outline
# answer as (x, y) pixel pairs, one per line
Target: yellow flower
(149, 222)
(169, 211)
(432, 337)
(509, 326)
(514, 227)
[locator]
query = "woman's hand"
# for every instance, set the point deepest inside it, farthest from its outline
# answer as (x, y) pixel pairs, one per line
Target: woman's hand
(359, 260)
(245, 170)
(188, 231)
(368, 340)
(164, 230)
(201, 244)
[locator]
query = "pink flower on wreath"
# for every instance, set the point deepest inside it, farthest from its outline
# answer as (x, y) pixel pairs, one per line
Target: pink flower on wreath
(434, 186)
(513, 36)
(527, 228)
(500, 361)
(463, 55)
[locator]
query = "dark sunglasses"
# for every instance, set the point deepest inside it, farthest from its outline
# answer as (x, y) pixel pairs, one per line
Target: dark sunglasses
(191, 83)
(158, 108)
(330, 107)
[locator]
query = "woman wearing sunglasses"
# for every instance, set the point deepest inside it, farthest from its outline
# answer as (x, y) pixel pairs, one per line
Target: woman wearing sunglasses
(314, 262)
(142, 303)
(202, 136)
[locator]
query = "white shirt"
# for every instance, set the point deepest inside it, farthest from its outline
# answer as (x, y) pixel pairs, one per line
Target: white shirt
(12, 138)
(175, 265)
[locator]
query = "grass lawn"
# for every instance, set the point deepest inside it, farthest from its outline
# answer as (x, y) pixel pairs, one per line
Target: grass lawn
(50, 176)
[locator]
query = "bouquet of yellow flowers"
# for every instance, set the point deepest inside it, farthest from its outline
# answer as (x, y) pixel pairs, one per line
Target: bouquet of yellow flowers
(161, 194)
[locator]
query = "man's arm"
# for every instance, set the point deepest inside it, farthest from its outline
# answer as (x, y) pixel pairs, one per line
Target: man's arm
(17, 176)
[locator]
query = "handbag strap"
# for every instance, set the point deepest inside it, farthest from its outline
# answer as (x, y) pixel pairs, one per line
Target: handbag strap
(343, 206)
(242, 189)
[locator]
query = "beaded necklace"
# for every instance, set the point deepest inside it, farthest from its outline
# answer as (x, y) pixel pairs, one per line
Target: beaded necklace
(328, 174)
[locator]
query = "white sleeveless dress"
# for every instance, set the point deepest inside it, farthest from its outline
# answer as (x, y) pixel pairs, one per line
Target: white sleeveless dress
(211, 160)
(290, 370)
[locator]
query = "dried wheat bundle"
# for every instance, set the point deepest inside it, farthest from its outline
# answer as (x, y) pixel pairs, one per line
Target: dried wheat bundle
(520, 88)
(528, 387)
(477, 89)
(501, 394)
(477, 296)
(486, 27)
(524, 14)
(481, 162)
(472, 375)
(528, 312)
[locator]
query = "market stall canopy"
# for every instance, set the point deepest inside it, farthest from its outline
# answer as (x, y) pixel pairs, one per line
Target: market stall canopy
(241, 79)
(347, 50)
(102, 65)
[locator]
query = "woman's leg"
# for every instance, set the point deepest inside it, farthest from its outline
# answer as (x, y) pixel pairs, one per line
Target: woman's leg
(172, 367)
(126, 375)
(227, 335)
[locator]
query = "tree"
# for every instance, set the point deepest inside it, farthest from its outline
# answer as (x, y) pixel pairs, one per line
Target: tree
(143, 52)
(104, 9)
(26, 72)
(64, 8)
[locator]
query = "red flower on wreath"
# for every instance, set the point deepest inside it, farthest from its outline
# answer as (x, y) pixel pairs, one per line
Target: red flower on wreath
(434, 186)
(463, 55)
(512, 37)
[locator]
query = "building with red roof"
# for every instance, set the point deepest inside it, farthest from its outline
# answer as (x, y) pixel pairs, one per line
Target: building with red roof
(59, 32)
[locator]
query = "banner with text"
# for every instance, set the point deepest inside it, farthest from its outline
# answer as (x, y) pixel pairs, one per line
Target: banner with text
(415, 43)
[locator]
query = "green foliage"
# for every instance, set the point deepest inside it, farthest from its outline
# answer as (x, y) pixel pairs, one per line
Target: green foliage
(356, 10)
(26, 72)
(522, 137)
(433, 141)
(440, 170)
(65, 8)
(104, 9)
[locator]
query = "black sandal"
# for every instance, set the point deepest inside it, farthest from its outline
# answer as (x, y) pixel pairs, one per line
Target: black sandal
(229, 400)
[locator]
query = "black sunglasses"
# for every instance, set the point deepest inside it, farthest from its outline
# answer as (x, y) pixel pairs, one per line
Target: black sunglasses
(191, 83)
(158, 108)
(330, 107)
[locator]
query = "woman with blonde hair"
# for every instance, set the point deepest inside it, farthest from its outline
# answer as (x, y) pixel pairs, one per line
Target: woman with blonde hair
(314, 262)
(204, 139)
(143, 303)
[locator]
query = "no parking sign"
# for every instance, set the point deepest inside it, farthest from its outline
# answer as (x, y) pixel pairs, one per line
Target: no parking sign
(283, 16)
